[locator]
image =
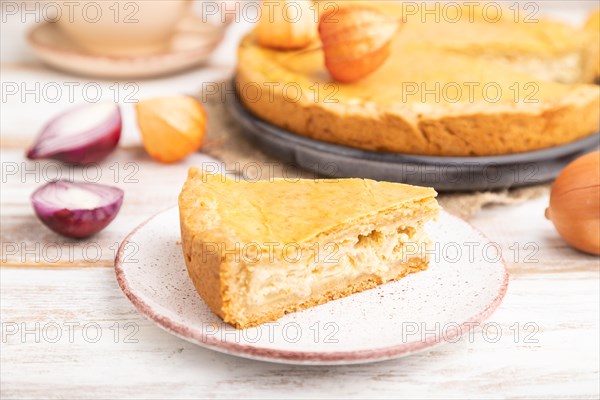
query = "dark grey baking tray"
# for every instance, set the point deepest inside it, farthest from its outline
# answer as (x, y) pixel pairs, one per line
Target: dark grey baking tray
(442, 173)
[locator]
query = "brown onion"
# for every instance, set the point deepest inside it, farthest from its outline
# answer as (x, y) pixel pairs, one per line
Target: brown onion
(575, 203)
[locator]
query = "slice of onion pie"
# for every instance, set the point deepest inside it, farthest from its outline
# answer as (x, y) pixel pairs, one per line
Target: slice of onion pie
(258, 250)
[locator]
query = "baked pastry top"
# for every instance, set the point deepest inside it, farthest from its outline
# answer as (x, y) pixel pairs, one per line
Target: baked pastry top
(257, 250)
(592, 26)
(291, 211)
(476, 85)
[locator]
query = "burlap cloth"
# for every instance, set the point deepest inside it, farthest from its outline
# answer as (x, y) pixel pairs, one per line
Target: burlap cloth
(226, 142)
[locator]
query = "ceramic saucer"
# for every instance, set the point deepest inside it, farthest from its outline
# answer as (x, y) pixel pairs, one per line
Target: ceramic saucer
(191, 45)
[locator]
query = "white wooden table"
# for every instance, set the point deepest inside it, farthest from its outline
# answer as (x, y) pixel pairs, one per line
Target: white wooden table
(69, 332)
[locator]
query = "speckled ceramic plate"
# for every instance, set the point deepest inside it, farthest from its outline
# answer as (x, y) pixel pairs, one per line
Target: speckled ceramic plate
(442, 173)
(464, 284)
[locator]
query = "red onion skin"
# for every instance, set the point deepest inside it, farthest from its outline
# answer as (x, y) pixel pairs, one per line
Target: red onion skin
(78, 224)
(75, 223)
(88, 153)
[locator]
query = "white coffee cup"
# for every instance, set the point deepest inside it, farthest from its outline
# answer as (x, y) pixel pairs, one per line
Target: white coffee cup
(122, 27)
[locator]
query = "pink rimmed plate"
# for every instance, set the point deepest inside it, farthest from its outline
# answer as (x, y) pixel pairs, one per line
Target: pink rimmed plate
(464, 284)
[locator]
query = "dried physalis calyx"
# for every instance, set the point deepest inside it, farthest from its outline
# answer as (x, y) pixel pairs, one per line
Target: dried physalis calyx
(172, 127)
(286, 25)
(356, 41)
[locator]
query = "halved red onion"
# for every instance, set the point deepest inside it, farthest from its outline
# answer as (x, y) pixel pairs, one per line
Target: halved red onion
(83, 135)
(76, 210)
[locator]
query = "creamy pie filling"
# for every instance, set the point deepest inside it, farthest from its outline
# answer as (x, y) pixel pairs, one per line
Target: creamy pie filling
(381, 252)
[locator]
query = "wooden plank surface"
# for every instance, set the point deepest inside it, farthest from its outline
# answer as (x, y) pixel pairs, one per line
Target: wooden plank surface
(548, 345)
(52, 308)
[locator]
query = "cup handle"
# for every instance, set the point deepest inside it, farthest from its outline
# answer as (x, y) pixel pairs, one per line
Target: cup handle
(212, 25)
(225, 17)
(232, 17)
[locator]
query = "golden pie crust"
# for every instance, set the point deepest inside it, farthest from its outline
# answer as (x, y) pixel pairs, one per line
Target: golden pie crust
(469, 87)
